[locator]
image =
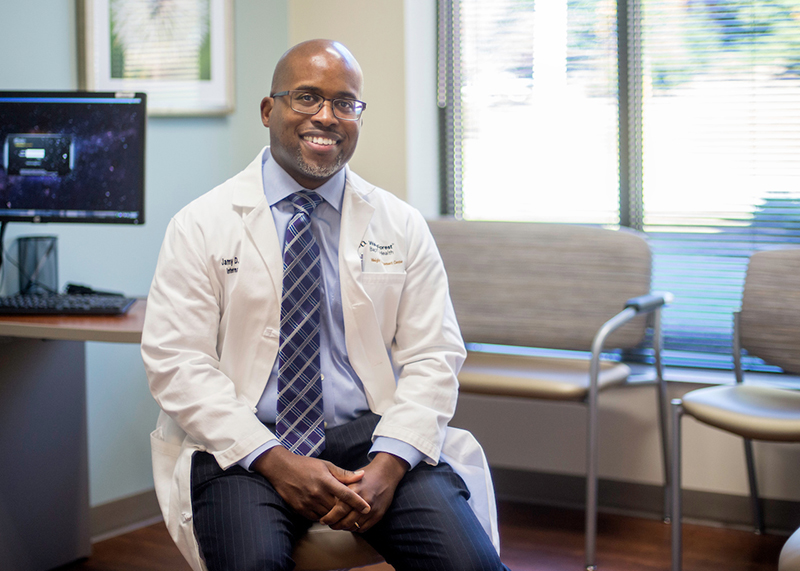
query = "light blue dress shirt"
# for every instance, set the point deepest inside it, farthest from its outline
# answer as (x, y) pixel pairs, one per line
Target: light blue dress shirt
(342, 391)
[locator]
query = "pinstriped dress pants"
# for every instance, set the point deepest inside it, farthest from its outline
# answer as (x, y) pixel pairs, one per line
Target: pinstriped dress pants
(242, 524)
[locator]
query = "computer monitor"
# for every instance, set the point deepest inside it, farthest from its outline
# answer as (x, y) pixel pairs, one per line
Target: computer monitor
(72, 157)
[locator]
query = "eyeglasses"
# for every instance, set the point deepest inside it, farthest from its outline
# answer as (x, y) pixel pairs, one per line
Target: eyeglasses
(310, 104)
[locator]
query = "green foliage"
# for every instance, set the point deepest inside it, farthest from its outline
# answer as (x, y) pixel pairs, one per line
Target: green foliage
(205, 58)
(117, 54)
(723, 37)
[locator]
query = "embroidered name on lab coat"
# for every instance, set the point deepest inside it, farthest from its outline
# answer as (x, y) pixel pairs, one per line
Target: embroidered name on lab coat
(231, 264)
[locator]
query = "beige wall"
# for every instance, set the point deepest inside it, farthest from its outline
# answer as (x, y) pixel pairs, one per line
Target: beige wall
(374, 31)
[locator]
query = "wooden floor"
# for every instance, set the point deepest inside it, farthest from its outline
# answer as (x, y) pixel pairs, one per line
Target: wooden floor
(532, 538)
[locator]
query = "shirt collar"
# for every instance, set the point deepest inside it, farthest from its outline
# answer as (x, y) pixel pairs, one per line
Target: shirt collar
(278, 184)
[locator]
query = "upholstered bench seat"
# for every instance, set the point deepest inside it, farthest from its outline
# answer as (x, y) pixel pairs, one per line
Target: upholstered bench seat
(535, 377)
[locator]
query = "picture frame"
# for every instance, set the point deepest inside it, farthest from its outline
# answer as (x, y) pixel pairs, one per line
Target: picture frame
(180, 55)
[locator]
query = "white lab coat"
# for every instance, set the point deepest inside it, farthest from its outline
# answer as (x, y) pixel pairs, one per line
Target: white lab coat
(211, 336)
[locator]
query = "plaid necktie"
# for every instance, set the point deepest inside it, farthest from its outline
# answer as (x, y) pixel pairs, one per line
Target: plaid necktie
(300, 415)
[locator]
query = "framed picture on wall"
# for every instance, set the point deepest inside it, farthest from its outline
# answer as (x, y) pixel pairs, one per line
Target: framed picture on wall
(179, 52)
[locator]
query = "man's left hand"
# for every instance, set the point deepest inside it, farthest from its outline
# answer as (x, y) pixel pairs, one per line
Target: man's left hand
(377, 487)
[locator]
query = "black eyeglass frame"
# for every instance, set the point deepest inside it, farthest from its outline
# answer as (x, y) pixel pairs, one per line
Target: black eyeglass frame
(333, 101)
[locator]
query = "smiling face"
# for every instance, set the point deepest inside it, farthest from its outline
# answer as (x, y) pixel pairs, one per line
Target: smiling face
(312, 148)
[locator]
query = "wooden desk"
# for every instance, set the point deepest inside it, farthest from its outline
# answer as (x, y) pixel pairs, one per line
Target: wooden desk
(114, 329)
(44, 484)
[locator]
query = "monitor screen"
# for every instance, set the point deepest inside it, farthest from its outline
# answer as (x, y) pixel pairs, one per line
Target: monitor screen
(72, 157)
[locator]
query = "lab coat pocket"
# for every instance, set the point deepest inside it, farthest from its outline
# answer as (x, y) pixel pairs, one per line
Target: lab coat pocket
(384, 290)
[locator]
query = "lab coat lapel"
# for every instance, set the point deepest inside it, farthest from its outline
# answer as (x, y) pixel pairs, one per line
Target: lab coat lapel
(261, 228)
(258, 221)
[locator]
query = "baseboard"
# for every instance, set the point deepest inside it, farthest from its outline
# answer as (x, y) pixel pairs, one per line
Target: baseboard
(642, 500)
(121, 515)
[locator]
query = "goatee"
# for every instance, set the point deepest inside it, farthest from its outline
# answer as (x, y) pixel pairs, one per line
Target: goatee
(318, 171)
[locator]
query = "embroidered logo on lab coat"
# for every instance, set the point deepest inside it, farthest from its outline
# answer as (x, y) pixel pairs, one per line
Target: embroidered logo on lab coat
(380, 255)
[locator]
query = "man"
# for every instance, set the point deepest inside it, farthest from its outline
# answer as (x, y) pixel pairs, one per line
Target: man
(301, 343)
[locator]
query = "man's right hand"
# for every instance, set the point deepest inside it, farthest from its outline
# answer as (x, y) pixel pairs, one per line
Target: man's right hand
(309, 485)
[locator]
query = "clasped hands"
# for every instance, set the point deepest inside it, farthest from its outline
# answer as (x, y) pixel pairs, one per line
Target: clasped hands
(321, 491)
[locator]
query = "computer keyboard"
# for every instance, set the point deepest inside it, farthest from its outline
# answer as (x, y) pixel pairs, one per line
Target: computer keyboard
(65, 304)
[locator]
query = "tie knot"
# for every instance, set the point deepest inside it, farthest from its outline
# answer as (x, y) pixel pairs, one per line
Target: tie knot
(306, 201)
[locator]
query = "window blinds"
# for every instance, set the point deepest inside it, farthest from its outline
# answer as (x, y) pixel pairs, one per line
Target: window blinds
(721, 155)
(537, 89)
(689, 121)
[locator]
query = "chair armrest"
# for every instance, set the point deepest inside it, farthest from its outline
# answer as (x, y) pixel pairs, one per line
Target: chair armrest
(649, 302)
(642, 304)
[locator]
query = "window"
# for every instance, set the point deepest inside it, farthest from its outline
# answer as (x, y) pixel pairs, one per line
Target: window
(538, 111)
(679, 118)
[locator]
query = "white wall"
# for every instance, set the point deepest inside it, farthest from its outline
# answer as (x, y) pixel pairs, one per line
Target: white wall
(185, 157)
(422, 112)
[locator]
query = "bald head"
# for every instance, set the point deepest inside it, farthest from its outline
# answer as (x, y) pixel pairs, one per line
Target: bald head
(314, 53)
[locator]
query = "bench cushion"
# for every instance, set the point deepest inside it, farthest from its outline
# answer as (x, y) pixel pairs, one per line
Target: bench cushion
(535, 377)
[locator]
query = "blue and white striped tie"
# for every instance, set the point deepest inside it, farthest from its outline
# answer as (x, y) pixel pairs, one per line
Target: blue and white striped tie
(299, 423)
